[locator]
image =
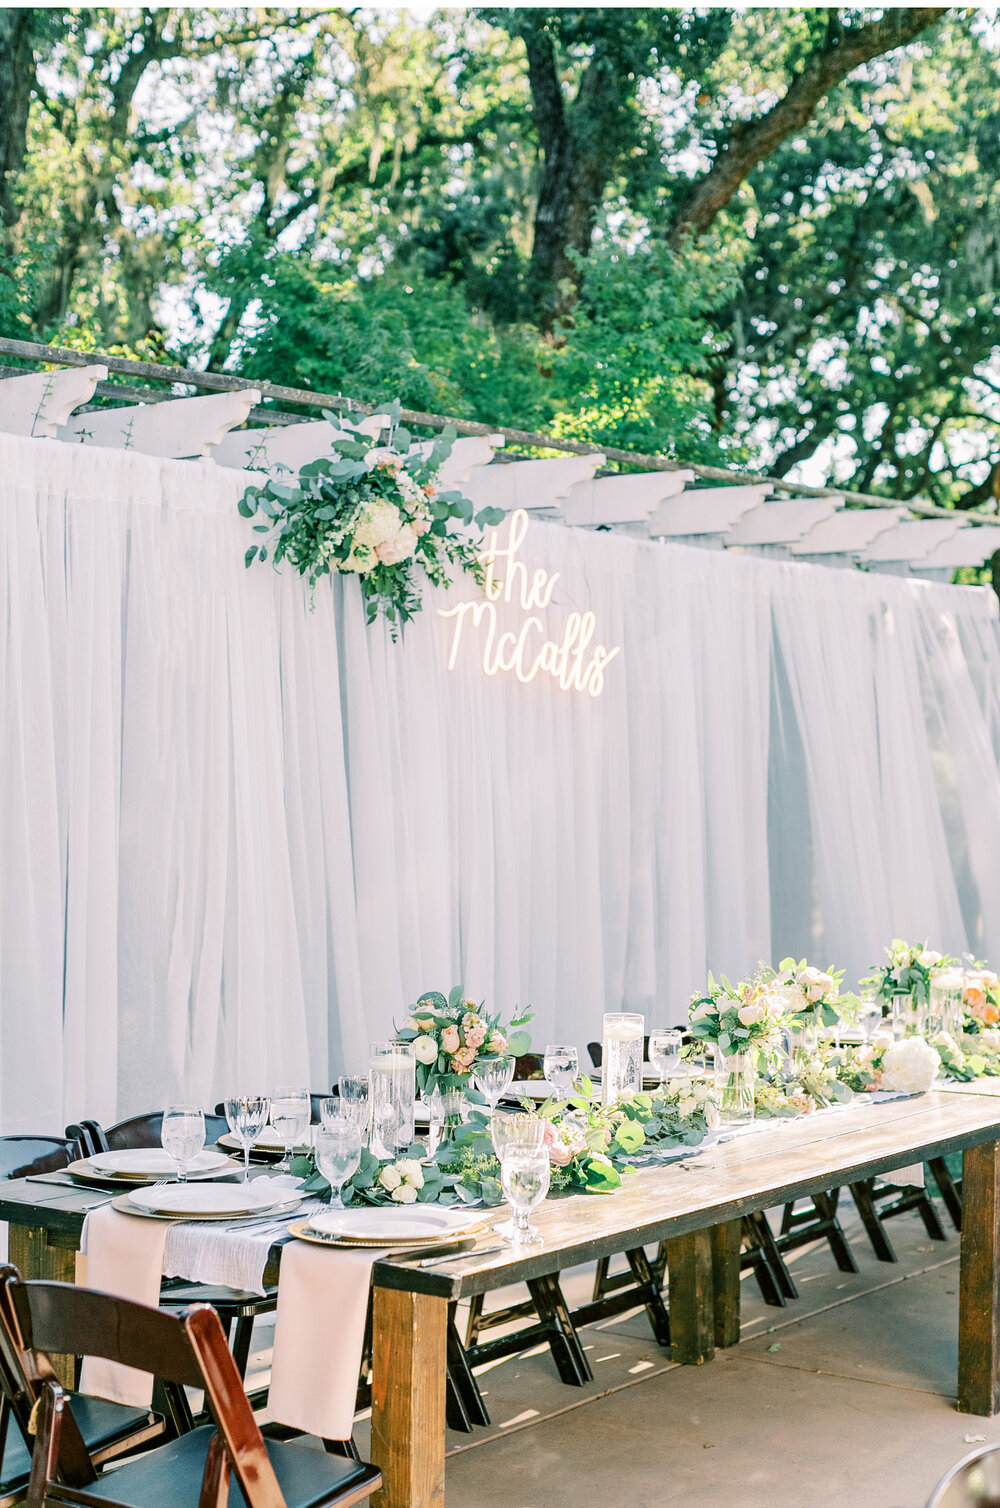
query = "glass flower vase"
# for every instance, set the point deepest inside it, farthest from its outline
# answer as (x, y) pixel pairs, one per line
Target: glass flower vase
(735, 1075)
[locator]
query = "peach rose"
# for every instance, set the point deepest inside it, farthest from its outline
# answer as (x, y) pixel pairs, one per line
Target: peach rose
(475, 1036)
(559, 1153)
(450, 1039)
(498, 1043)
(463, 1059)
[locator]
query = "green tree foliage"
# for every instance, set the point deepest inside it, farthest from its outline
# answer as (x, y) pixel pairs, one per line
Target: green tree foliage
(761, 236)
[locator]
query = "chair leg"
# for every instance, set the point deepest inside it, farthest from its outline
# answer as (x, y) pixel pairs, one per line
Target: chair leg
(949, 1190)
(344, 1448)
(931, 1219)
(241, 1344)
(601, 1278)
(765, 1236)
(754, 1256)
(652, 1296)
(844, 1257)
(564, 1343)
(475, 1321)
(464, 1402)
(862, 1195)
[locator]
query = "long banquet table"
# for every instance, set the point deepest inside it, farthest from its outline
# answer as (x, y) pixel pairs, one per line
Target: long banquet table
(695, 1205)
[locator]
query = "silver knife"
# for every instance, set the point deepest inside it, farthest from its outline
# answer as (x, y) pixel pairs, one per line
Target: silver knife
(460, 1256)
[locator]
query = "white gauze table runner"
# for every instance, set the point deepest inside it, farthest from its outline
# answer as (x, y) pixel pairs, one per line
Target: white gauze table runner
(322, 1307)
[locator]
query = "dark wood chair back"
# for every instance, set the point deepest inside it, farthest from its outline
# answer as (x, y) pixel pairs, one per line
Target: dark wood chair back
(528, 1066)
(24, 1155)
(189, 1350)
(314, 1104)
(137, 1131)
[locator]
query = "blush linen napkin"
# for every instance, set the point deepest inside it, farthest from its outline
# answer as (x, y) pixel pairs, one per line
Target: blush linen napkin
(124, 1257)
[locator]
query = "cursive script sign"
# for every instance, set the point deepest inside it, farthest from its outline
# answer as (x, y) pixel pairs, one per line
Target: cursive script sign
(529, 651)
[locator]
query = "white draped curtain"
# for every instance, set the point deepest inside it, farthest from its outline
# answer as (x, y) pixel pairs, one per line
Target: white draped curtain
(239, 833)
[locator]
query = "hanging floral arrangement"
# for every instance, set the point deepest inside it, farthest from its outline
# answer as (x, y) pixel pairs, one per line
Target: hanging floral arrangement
(373, 510)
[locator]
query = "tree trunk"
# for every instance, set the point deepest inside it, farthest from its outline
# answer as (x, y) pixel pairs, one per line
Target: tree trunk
(845, 49)
(17, 80)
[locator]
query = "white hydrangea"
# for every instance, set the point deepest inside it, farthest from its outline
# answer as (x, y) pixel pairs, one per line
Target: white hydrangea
(379, 522)
(909, 1066)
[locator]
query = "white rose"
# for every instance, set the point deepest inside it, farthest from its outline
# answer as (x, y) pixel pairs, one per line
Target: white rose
(927, 960)
(688, 1105)
(990, 1038)
(405, 1194)
(408, 1169)
(909, 1066)
(390, 1177)
(706, 1008)
(750, 1014)
(808, 976)
(425, 1049)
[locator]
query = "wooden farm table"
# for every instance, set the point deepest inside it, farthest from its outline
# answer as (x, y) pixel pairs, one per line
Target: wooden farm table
(695, 1205)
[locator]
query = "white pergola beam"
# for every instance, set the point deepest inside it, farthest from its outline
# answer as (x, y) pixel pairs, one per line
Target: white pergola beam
(848, 531)
(910, 540)
(704, 510)
(532, 485)
(971, 546)
(179, 427)
(621, 499)
(782, 521)
(39, 403)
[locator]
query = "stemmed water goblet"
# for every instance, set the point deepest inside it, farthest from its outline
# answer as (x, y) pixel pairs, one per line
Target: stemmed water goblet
(525, 1177)
(338, 1154)
(247, 1116)
(354, 1100)
(870, 1019)
(665, 1051)
(493, 1077)
(561, 1067)
(515, 1133)
(182, 1135)
(291, 1111)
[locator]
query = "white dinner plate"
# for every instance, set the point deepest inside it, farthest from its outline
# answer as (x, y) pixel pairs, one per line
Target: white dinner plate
(152, 1162)
(390, 1225)
(209, 1198)
(267, 1141)
(531, 1089)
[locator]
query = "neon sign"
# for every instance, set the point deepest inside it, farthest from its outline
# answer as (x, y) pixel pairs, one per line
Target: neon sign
(569, 658)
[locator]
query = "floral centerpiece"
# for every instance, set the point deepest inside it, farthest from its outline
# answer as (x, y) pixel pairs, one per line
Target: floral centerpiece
(374, 510)
(740, 1018)
(452, 1035)
(811, 997)
(908, 971)
(907, 1066)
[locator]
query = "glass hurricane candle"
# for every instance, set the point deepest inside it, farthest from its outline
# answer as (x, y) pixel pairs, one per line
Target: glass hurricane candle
(392, 1087)
(621, 1056)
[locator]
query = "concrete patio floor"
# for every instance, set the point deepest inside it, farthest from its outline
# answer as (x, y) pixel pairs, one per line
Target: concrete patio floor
(845, 1397)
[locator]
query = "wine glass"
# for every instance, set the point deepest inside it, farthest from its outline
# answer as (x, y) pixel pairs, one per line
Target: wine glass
(525, 1179)
(561, 1066)
(665, 1051)
(247, 1116)
(514, 1132)
(182, 1135)
(354, 1100)
(493, 1077)
(338, 1153)
(291, 1111)
(870, 1019)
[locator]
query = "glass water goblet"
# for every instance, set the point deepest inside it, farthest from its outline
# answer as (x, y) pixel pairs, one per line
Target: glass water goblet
(338, 1153)
(524, 1177)
(870, 1019)
(354, 1100)
(182, 1135)
(665, 1051)
(562, 1067)
(513, 1133)
(247, 1115)
(291, 1112)
(493, 1077)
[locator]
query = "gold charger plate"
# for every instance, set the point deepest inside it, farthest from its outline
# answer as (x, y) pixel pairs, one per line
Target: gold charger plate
(397, 1247)
(265, 1148)
(84, 1172)
(125, 1206)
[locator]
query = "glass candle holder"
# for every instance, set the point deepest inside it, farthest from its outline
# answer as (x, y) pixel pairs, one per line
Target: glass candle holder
(946, 1009)
(621, 1056)
(392, 1086)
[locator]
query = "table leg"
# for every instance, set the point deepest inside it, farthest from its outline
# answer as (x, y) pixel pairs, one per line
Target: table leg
(691, 1303)
(409, 1362)
(978, 1336)
(29, 1249)
(725, 1242)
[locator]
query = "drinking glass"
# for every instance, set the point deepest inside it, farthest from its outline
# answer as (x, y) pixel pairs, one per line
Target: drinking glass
(354, 1100)
(247, 1116)
(665, 1051)
(525, 1179)
(561, 1067)
(870, 1019)
(516, 1131)
(621, 1060)
(182, 1135)
(493, 1077)
(291, 1112)
(392, 1069)
(338, 1153)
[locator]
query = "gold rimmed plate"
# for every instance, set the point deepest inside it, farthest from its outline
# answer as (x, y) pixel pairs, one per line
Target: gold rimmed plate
(395, 1226)
(124, 1205)
(96, 1170)
(460, 1242)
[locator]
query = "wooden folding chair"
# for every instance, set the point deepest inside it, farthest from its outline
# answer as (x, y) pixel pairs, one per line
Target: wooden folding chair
(193, 1470)
(237, 1309)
